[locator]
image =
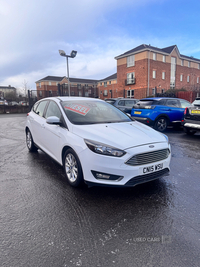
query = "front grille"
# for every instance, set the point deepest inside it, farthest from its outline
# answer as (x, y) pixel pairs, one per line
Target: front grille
(149, 157)
(147, 177)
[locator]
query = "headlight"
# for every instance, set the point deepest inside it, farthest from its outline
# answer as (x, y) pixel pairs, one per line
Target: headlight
(166, 137)
(103, 149)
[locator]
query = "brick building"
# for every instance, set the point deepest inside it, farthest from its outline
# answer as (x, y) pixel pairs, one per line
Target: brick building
(145, 70)
(51, 85)
(142, 71)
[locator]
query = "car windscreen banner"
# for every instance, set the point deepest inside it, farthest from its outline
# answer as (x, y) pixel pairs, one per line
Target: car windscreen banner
(77, 108)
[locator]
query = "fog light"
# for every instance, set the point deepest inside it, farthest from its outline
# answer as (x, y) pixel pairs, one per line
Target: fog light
(107, 176)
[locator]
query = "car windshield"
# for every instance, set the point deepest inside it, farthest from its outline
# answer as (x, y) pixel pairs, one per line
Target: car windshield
(92, 112)
(196, 102)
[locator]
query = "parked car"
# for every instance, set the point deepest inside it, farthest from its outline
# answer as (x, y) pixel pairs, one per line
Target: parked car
(191, 121)
(13, 103)
(96, 143)
(160, 112)
(23, 103)
(3, 102)
(124, 104)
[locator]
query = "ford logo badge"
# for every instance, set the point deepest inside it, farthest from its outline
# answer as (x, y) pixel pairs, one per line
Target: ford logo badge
(151, 146)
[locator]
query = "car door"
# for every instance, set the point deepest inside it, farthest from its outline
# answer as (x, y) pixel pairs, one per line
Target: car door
(37, 121)
(52, 133)
(121, 105)
(175, 112)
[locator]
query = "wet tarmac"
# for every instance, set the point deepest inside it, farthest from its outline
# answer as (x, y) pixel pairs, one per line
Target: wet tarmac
(45, 222)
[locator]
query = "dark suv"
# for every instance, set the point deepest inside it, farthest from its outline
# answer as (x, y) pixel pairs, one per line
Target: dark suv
(160, 112)
(124, 104)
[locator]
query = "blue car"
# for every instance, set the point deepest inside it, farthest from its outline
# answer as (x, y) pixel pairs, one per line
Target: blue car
(160, 112)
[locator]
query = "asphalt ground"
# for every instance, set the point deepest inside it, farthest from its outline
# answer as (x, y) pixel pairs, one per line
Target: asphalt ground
(45, 222)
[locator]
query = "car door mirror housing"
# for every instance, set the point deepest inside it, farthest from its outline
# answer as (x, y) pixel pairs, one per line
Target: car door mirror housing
(53, 120)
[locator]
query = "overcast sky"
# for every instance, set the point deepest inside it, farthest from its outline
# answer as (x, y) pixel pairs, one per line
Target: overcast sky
(32, 32)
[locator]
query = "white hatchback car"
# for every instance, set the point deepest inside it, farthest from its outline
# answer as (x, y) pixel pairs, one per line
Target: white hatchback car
(96, 143)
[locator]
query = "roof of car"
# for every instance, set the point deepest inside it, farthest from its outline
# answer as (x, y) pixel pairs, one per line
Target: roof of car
(157, 98)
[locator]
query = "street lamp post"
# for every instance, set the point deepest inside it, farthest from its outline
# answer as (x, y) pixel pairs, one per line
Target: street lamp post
(72, 55)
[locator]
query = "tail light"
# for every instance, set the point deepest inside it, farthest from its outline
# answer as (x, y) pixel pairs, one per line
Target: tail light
(27, 114)
(185, 111)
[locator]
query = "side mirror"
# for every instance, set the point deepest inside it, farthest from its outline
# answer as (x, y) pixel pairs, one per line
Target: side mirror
(53, 120)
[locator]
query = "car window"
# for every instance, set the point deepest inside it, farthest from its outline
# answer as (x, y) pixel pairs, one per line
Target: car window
(184, 103)
(172, 103)
(121, 103)
(40, 108)
(85, 112)
(111, 101)
(53, 110)
(129, 103)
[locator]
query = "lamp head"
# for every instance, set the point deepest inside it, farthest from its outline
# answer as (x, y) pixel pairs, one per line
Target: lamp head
(73, 53)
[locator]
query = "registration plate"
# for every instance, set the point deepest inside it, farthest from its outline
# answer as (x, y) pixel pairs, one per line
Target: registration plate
(195, 111)
(137, 112)
(153, 168)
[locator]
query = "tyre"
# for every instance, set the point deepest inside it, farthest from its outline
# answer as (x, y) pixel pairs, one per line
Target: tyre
(189, 131)
(161, 124)
(72, 168)
(29, 142)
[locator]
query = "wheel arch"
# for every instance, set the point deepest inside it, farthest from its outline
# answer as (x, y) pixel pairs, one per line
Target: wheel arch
(161, 116)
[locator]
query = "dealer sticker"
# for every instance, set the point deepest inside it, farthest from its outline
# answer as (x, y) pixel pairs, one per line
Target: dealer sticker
(78, 108)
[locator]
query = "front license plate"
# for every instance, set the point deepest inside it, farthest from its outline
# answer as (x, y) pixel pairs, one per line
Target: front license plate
(137, 112)
(153, 168)
(195, 111)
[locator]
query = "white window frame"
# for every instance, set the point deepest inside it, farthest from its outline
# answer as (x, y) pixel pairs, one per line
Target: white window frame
(182, 62)
(105, 92)
(130, 76)
(130, 93)
(163, 75)
(153, 91)
(105, 84)
(181, 77)
(49, 83)
(188, 78)
(131, 61)
(189, 64)
(154, 74)
(197, 79)
(154, 56)
(164, 58)
(198, 66)
(162, 90)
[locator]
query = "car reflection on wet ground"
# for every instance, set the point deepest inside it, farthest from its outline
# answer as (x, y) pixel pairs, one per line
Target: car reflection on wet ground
(45, 222)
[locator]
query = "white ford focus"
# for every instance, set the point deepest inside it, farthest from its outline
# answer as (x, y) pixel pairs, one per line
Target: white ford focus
(96, 143)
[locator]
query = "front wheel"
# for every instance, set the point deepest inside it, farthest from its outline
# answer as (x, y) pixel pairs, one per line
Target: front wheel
(161, 124)
(29, 142)
(72, 168)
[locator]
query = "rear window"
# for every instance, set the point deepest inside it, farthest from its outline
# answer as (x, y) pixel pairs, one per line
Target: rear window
(143, 103)
(196, 102)
(111, 101)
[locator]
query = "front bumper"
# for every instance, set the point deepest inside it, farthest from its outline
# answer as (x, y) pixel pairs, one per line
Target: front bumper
(128, 175)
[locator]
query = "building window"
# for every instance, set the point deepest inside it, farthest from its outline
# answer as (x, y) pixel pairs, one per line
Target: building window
(182, 62)
(197, 79)
(154, 56)
(78, 86)
(100, 83)
(164, 58)
(181, 77)
(101, 92)
(105, 92)
(86, 85)
(189, 64)
(49, 83)
(80, 93)
(40, 93)
(163, 90)
(199, 66)
(188, 78)
(154, 74)
(105, 84)
(40, 85)
(173, 73)
(130, 93)
(109, 82)
(131, 61)
(153, 91)
(131, 78)
(163, 75)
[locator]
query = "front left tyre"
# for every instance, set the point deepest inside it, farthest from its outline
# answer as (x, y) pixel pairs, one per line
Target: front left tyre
(29, 142)
(72, 168)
